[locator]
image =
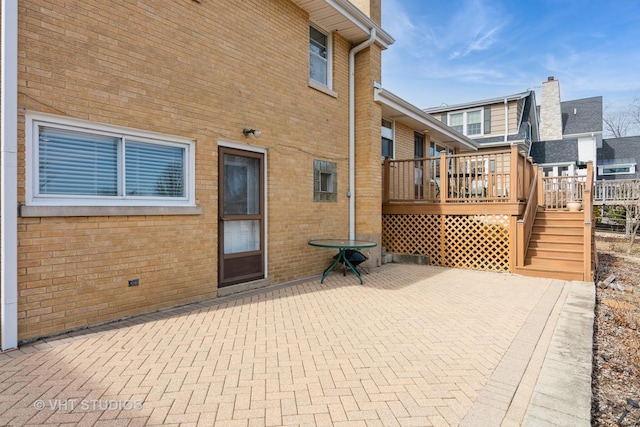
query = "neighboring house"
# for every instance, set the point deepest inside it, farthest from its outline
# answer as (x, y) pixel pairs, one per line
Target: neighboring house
(133, 177)
(570, 132)
(618, 158)
(407, 131)
(494, 123)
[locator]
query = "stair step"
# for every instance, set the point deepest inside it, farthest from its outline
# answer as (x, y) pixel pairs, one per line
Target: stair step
(556, 253)
(542, 244)
(558, 214)
(559, 228)
(556, 237)
(568, 223)
(555, 263)
(532, 271)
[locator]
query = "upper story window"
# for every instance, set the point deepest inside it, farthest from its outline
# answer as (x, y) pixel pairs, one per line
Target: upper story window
(468, 123)
(474, 122)
(527, 131)
(319, 57)
(456, 122)
(387, 138)
(73, 162)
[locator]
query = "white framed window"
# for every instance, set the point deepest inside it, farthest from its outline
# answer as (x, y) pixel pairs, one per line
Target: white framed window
(388, 145)
(617, 169)
(470, 123)
(320, 57)
(74, 162)
(456, 122)
(474, 122)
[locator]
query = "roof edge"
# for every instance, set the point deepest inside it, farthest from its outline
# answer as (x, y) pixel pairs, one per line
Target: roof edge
(392, 100)
(472, 104)
(353, 14)
(357, 16)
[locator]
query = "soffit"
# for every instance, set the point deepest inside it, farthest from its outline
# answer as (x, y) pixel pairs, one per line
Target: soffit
(344, 18)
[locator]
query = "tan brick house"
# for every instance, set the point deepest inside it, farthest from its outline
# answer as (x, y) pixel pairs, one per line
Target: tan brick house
(163, 152)
(156, 153)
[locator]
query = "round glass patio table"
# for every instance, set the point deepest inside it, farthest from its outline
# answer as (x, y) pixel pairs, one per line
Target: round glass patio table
(342, 245)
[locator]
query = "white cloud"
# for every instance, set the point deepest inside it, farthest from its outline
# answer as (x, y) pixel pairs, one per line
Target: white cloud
(482, 42)
(471, 49)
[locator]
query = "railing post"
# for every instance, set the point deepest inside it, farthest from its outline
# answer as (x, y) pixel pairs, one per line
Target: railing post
(520, 249)
(386, 182)
(426, 178)
(514, 238)
(444, 177)
(528, 173)
(541, 197)
(587, 204)
(513, 184)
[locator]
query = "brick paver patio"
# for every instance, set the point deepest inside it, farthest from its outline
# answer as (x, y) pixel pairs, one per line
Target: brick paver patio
(414, 346)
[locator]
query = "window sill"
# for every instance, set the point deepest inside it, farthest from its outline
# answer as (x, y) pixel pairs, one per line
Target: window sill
(62, 211)
(322, 88)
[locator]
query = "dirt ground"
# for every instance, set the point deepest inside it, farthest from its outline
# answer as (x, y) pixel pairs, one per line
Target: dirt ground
(616, 351)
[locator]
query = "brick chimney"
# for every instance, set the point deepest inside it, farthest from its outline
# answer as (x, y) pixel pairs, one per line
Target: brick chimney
(371, 8)
(550, 114)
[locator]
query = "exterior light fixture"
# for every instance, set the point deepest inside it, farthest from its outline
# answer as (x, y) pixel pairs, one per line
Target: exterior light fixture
(255, 132)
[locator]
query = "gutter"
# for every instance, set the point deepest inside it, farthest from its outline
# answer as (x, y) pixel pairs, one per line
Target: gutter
(9, 177)
(351, 192)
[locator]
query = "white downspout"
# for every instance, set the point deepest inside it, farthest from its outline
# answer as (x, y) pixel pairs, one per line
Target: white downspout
(351, 192)
(506, 120)
(9, 176)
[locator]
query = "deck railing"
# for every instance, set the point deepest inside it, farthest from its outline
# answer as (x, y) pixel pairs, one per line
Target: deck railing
(524, 226)
(619, 191)
(557, 191)
(491, 177)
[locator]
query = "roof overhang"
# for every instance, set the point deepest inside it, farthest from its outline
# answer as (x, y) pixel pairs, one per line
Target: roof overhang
(395, 108)
(484, 102)
(344, 18)
(593, 134)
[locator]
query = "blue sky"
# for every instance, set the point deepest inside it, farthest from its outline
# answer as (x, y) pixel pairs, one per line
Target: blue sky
(455, 51)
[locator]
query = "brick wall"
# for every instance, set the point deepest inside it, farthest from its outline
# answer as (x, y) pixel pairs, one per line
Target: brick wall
(175, 67)
(368, 151)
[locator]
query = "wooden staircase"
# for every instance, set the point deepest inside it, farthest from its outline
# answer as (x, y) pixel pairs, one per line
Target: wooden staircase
(556, 246)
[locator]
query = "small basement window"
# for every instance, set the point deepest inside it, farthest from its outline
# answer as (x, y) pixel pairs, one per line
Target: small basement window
(325, 181)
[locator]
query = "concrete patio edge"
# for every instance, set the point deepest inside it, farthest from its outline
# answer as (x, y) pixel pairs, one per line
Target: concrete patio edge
(563, 394)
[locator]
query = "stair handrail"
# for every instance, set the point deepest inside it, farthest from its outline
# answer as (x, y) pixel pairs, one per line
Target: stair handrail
(589, 226)
(524, 226)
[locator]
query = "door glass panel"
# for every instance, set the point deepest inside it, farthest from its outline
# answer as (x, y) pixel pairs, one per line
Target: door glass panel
(241, 185)
(241, 236)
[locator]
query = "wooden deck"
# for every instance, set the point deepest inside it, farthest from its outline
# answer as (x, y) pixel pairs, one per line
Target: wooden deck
(479, 211)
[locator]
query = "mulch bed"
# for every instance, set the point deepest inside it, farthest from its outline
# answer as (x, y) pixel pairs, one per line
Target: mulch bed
(616, 351)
